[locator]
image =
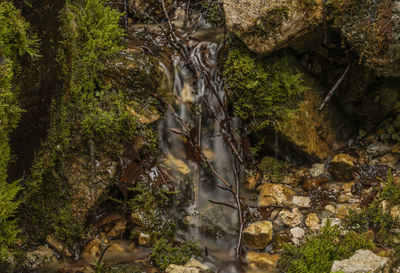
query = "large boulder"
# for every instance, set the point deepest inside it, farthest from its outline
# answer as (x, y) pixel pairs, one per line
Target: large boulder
(269, 25)
(363, 261)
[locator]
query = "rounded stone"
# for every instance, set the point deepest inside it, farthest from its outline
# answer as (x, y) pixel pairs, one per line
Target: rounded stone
(258, 235)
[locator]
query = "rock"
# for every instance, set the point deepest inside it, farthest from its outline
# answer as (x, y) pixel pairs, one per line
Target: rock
(258, 235)
(395, 148)
(176, 164)
(145, 239)
(317, 169)
(116, 229)
(61, 248)
(266, 26)
(116, 248)
(363, 261)
(332, 222)
(137, 217)
(262, 260)
(331, 209)
(251, 181)
(92, 250)
(395, 213)
(273, 194)
(312, 222)
(378, 149)
(192, 266)
(344, 209)
(341, 167)
(389, 160)
(42, 255)
(316, 183)
(301, 201)
(291, 218)
(297, 232)
(345, 195)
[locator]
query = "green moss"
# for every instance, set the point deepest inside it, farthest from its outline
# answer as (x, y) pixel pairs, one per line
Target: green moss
(318, 252)
(68, 229)
(373, 217)
(165, 253)
(262, 89)
(213, 12)
(15, 41)
(272, 20)
(121, 268)
(273, 168)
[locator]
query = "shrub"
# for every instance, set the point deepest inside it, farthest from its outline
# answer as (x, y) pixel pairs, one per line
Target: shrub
(317, 253)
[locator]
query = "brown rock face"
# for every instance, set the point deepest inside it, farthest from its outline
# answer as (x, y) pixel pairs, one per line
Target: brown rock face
(262, 260)
(268, 25)
(341, 167)
(258, 235)
(274, 194)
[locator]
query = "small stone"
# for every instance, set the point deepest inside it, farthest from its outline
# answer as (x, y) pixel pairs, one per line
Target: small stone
(117, 228)
(52, 241)
(193, 263)
(363, 261)
(92, 250)
(192, 266)
(341, 167)
(251, 181)
(137, 217)
(297, 232)
(312, 221)
(344, 210)
(378, 148)
(40, 256)
(291, 218)
(395, 213)
(258, 235)
(389, 160)
(316, 183)
(301, 201)
(273, 194)
(395, 148)
(145, 239)
(384, 205)
(262, 260)
(346, 195)
(317, 169)
(330, 208)
(332, 221)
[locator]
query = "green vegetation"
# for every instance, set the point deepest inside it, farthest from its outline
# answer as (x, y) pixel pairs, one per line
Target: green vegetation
(121, 268)
(213, 12)
(261, 88)
(15, 41)
(273, 168)
(317, 253)
(377, 218)
(165, 253)
(272, 20)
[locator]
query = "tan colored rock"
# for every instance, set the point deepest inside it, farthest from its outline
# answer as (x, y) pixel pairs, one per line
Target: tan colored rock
(316, 183)
(301, 201)
(345, 195)
(341, 167)
(262, 260)
(137, 217)
(331, 209)
(291, 218)
(40, 256)
(344, 209)
(273, 194)
(192, 266)
(176, 164)
(251, 181)
(312, 222)
(395, 212)
(266, 26)
(116, 248)
(116, 229)
(145, 239)
(92, 250)
(61, 248)
(258, 235)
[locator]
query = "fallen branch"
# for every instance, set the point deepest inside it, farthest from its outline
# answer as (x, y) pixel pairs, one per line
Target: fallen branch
(332, 91)
(222, 204)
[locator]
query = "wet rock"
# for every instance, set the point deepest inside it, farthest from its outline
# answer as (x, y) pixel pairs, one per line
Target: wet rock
(116, 248)
(192, 266)
(273, 194)
(251, 181)
(92, 250)
(258, 235)
(345, 194)
(385, 205)
(117, 228)
(395, 213)
(269, 25)
(312, 222)
(145, 239)
(176, 164)
(395, 148)
(137, 217)
(42, 255)
(316, 183)
(363, 261)
(301, 201)
(317, 170)
(291, 218)
(262, 260)
(57, 245)
(297, 232)
(341, 167)
(378, 149)
(389, 160)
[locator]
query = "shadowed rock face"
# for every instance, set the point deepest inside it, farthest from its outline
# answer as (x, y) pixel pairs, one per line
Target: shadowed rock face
(269, 25)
